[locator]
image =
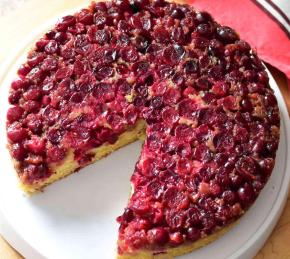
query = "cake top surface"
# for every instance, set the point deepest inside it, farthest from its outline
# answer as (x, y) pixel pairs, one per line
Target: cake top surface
(212, 120)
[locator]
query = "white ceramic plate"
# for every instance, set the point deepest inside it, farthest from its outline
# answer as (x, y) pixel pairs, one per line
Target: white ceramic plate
(75, 217)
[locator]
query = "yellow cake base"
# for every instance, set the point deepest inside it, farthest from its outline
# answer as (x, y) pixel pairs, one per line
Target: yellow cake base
(69, 165)
(172, 252)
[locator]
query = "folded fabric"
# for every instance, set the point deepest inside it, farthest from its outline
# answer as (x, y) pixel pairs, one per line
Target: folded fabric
(263, 23)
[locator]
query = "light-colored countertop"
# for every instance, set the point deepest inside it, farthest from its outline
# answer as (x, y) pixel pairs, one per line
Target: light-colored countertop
(18, 18)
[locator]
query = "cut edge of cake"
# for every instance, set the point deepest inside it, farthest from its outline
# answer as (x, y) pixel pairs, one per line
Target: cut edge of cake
(68, 165)
(171, 252)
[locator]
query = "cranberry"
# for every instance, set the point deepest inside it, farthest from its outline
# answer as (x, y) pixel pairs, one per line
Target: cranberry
(16, 133)
(18, 151)
(14, 113)
(193, 234)
(170, 115)
(176, 238)
(36, 145)
(129, 54)
(85, 17)
(202, 17)
(158, 236)
(65, 22)
(246, 105)
(266, 165)
(173, 54)
(177, 13)
(177, 35)
(35, 172)
(227, 34)
(190, 67)
(23, 70)
(175, 199)
(246, 194)
(55, 154)
(51, 47)
(54, 136)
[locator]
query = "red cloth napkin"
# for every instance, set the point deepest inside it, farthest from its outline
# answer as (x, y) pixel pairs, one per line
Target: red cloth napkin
(262, 23)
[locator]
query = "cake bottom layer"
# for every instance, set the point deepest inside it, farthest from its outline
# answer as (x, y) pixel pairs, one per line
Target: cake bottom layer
(69, 165)
(171, 252)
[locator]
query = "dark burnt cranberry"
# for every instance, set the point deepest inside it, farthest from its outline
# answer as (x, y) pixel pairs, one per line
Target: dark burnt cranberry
(176, 238)
(273, 117)
(202, 17)
(55, 154)
(177, 13)
(14, 113)
(263, 77)
(157, 102)
(227, 34)
(36, 145)
(246, 105)
(157, 236)
(18, 151)
(65, 22)
(246, 194)
(54, 136)
(76, 97)
(99, 7)
(270, 100)
(266, 165)
(193, 234)
(204, 29)
(141, 43)
(141, 4)
(16, 133)
(191, 66)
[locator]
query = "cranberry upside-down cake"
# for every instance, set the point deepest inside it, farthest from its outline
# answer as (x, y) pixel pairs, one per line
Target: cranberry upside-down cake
(164, 72)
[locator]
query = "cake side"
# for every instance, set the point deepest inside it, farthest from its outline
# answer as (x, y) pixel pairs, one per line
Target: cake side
(171, 252)
(69, 165)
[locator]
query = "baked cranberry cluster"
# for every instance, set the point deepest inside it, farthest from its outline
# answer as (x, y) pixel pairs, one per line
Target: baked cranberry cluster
(212, 120)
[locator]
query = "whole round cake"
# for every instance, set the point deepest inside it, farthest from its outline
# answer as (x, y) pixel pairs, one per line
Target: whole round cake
(164, 72)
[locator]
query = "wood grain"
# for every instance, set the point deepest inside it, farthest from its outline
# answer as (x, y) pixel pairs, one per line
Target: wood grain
(16, 24)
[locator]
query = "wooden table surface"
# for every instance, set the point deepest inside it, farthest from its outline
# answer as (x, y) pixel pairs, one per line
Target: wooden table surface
(19, 18)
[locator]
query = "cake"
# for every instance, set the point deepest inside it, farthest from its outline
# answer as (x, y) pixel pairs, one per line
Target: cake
(165, 73)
